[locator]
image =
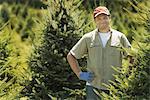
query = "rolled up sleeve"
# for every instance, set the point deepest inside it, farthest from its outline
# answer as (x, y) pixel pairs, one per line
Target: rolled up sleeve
(125, 44)
(80, 49)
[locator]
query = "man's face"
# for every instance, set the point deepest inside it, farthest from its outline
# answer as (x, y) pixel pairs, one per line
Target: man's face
(102, 21)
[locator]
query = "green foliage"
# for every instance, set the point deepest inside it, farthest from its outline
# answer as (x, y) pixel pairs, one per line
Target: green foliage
(4, 54)
(24, 29)
(14, 51)
(132, 81)
(132, 84)
(76, 94)
(65, 24)
(31, 3)
(20, 19)
(4, 13)
(7, 78)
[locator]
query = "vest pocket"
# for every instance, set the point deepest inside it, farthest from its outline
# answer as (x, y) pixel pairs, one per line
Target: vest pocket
(114, 51)
(115, 56)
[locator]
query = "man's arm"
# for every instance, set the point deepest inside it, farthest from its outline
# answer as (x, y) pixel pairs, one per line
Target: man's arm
(79, 50)
(74, 64)
(76, 53)
(127, 44)
(86, 76)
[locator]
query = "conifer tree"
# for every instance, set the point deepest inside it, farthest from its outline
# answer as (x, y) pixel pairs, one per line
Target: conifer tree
(14, 71)
(65, 23)
(133, 80)
(10, 82)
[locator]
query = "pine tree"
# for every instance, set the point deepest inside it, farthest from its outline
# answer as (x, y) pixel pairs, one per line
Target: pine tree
(133, 80)
(14, 52)
(4, 54)
(52, 76)
(11, 76)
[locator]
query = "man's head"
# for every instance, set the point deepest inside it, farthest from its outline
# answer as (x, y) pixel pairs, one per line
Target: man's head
(102, 17)
(101, 10)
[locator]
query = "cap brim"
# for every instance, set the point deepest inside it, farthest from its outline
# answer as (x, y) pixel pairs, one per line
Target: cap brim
(101, 13)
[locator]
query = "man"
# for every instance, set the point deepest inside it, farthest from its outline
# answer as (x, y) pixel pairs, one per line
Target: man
(102, 48)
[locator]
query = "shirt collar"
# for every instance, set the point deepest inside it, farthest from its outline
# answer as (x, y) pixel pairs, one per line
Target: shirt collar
(115, 40)
(96, 30)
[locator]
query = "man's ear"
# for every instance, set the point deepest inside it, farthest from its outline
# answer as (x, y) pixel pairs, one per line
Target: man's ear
(109, 17)
(94, 19)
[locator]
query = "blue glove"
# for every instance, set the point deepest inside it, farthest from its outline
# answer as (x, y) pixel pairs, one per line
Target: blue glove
(86, 76)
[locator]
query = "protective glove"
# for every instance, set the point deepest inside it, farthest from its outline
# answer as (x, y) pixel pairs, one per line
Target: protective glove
(86, 76)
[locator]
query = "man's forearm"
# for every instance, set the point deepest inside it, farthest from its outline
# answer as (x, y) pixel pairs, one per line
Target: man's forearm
(73, 63)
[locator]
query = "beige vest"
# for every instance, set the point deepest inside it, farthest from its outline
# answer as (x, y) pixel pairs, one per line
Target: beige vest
(101, 59)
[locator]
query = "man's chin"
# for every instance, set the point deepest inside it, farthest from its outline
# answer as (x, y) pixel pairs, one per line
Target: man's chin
(103, 27)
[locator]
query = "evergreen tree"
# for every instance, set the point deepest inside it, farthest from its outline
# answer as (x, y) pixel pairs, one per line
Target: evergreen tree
(133, 80)
(12, 76)
(4, 76)
(65, 23)
(15, 25)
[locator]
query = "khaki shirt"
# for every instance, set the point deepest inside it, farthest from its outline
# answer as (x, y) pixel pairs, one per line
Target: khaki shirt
(101, 59)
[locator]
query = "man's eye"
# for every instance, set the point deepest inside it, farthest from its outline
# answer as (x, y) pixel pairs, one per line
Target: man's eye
(100, 18)
(105, 17)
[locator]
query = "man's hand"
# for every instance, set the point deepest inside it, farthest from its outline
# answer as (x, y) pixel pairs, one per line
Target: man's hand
(86, 76)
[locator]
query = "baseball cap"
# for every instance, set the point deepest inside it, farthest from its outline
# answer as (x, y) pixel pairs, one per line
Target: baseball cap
(101, 10)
